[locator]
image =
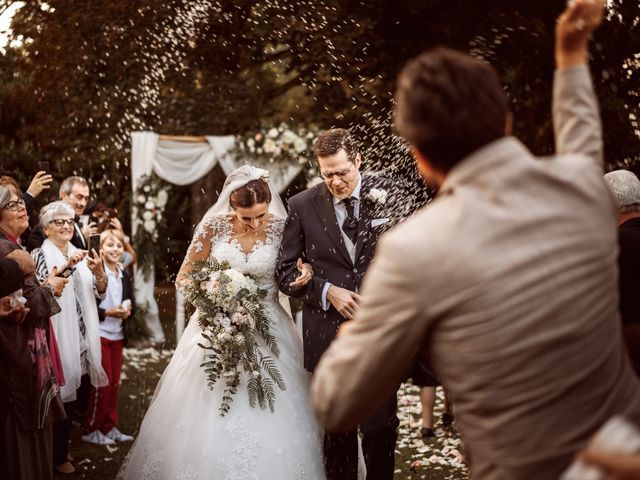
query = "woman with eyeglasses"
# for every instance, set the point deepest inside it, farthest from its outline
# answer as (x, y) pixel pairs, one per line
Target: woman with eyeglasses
(76, 327)
(29, 395)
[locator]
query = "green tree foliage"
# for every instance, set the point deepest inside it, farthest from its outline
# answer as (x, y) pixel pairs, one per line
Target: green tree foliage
(82, 75)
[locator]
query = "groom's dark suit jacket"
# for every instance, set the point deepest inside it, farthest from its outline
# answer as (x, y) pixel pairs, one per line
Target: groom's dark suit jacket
(312, 233)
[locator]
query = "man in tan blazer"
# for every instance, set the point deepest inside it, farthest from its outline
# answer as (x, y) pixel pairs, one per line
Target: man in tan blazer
(508, 277)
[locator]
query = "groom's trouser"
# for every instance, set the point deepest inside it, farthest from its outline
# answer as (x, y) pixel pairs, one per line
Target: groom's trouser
(380, 432)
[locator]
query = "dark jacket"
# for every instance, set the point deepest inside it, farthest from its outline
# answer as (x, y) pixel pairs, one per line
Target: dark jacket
(19, 393)
(311, 232)
(11, 277)
(629, 263)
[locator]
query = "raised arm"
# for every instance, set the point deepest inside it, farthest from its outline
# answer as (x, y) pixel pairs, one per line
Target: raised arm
(576, 119)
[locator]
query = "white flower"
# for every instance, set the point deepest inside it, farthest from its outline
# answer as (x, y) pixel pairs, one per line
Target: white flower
(163, 197)
(251, 143)
(147, 215)
(149, 205)
(378, 195)
(289, 137)
(149, 226)
(225, 322)
(269, 146)
(224, 337)
(273, 133)
(141, 199)
(300, 145)
(237, 318)
(146, 188)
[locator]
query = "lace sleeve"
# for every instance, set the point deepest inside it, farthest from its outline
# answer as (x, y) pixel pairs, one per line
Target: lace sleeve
(276, 227)
(206, 234)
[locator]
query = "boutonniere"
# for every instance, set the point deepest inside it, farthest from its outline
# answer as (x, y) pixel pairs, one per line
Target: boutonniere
(377, 195)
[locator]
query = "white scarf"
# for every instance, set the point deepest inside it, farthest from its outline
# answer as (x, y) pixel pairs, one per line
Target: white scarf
(65, 323)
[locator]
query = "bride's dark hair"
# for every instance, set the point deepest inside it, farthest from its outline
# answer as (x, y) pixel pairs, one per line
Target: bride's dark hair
(256, 191)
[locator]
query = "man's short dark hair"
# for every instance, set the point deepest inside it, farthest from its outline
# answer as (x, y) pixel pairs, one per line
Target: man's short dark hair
(449, 105)
(332, 141)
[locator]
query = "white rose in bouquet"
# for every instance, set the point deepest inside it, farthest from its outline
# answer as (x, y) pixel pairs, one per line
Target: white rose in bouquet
(141, 199)
(147, 215)
(273, 133)
(225, 322)
(237, 319)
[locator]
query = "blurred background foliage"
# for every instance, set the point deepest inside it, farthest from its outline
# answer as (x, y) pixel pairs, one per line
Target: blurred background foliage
(78, 76)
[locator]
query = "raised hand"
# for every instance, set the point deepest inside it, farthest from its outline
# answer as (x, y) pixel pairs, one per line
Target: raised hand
(306, 274)
(56, 283)
(40, 182)
(575, 26)
(76, 257)
(90, 229)
(344, 301)
(115, 223)
(94, 262)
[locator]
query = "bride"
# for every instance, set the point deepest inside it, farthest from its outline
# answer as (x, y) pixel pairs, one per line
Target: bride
(183, 436)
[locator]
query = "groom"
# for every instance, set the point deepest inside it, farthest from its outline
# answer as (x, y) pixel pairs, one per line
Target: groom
(334, 226)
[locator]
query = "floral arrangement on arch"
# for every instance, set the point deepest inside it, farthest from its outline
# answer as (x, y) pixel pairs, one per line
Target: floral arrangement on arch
(280, 145)
(149, 201)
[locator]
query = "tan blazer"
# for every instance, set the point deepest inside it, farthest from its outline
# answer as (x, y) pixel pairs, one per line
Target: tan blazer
(509, 278)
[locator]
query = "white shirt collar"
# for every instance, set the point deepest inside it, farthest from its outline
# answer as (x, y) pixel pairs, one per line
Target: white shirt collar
(355, 194)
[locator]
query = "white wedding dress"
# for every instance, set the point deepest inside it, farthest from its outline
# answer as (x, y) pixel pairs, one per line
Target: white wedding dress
(183, 436)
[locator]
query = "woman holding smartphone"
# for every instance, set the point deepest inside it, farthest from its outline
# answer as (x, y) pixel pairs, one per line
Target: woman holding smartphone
(76, 327)
(114, 309)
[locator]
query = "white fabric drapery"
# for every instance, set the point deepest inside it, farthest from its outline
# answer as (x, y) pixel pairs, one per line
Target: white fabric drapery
(182, 163)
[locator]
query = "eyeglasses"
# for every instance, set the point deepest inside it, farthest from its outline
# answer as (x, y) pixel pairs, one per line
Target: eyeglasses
(342, 174)
(15, 206)
(59, 222)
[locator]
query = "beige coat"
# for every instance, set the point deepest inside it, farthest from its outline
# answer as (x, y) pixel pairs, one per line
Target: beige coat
(509, 278)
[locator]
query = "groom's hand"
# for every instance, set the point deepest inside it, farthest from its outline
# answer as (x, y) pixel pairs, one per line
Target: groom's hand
(344, 301)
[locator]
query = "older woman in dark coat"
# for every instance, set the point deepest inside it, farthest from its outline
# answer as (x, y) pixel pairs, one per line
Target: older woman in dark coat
(29, 396)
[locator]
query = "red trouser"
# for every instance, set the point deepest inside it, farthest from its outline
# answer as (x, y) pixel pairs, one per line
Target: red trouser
(103, 401)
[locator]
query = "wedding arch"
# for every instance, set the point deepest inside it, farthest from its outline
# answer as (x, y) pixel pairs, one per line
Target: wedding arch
(182, 160)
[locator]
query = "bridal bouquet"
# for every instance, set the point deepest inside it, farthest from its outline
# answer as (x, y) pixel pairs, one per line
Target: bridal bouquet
(232, 316)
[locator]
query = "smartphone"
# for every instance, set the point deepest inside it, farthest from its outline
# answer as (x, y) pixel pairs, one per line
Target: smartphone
(94, 244)
(44, 167)
(66, 273)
